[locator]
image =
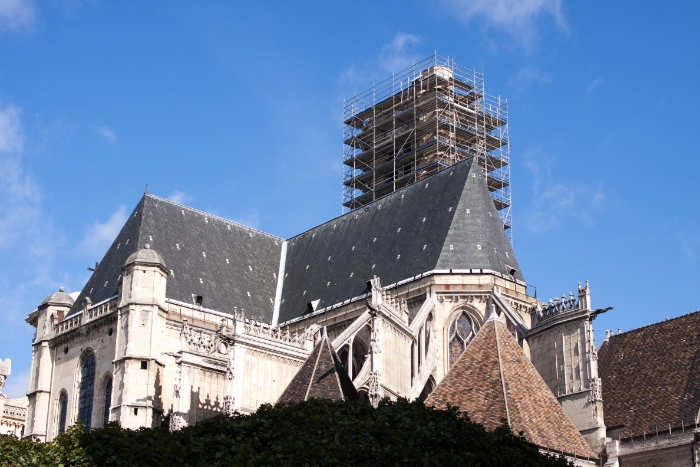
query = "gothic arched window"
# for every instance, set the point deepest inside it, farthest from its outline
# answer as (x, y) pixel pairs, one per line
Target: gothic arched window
(87, 390)
(62, 410)
(462, 331)
(108, 401)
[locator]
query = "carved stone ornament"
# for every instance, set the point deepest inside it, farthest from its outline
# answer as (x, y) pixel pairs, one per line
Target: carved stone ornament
(596, 394)
(374, 388)
(5, 370)
(208, 342)
(176, 421)
(229, 370)
(229, 406)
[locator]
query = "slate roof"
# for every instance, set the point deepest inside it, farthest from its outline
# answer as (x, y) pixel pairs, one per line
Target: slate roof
(321, 377)
(650, 376)
(447, 221)
(494, 380)
(228, 264)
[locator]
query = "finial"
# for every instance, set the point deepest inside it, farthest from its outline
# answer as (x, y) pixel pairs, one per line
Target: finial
(494, 316)
(325, 333)
(146, 191)
(147, 246)
(61, 289)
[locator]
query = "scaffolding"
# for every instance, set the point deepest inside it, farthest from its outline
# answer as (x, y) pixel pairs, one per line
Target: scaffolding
(420, 121)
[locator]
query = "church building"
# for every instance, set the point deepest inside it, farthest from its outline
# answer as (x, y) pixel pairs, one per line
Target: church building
(414, 293)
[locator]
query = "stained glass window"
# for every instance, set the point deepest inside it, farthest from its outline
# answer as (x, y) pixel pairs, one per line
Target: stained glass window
(108, 402)
(87, 390)
(62, 409)
(461, 332)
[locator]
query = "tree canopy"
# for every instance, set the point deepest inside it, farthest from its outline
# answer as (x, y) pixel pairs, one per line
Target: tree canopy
(312, 433)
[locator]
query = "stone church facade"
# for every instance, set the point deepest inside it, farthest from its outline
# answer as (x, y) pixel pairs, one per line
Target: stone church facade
(189, 315)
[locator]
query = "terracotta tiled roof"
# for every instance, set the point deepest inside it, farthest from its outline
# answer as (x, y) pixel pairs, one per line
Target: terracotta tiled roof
(321, 377)
(494, 380)
(650, 376)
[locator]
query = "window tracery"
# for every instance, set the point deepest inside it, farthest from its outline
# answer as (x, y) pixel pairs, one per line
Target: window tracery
(462, 330)
(62, 411)
(108, 402)
(87, 390)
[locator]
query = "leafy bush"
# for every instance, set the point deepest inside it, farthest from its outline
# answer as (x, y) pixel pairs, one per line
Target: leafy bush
(313, 433)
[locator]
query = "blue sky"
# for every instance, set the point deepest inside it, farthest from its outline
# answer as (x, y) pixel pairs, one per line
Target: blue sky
(235, 108)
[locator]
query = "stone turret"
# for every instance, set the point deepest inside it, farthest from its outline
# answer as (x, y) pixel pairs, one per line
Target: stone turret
(142, 315)
(44, 319)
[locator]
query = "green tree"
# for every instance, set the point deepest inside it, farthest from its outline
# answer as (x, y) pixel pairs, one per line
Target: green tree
(312, 433)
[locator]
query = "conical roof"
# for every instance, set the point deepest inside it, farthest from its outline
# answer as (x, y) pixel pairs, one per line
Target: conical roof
(494, 380)
(321, 377)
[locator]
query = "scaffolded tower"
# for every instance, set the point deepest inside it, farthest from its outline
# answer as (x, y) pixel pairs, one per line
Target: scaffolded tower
(419, 122)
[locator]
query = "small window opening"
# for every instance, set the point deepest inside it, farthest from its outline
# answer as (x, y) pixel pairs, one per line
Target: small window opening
(144, 365)
(198, 300)
(110, 332)
(136, 411)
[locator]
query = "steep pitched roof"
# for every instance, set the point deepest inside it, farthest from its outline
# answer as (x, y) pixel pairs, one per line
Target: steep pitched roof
(494, 380)
(447, 221)
(321, 377)
(226, 263)
(650, 375)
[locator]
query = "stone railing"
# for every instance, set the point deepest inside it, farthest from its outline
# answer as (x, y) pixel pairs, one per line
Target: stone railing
(556, 306)
(101, 309)
(258, 328)
(17, 413)
(68, 324)
(94, 312)
(382, 297)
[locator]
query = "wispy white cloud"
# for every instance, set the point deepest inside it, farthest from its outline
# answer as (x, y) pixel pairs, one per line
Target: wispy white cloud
(16, 384)
(107, 133)
(395, 56)
(180, 197)
(594, 84)
(527, 77)
(17, 15)
(28, 241)
(553, 202)
(20, 198)
(400, 53)
(516, 17)
(690, 246)
(251, 220)
(98, 238)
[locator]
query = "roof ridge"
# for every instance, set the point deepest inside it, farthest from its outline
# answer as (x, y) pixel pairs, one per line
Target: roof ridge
(667, 320)
(313, 373)
(383, 198)
(214, 216)
(500, 365)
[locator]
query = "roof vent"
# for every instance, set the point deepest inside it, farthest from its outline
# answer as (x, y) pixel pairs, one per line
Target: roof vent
(312, 305)
(511, 270)
(198, 300)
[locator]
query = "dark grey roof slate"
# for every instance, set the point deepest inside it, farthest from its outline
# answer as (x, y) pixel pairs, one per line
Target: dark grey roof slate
(447, 221)
(397, 237)
(226, 263)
